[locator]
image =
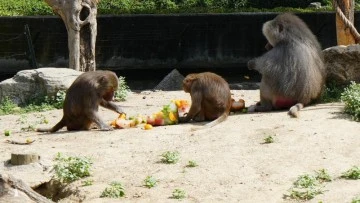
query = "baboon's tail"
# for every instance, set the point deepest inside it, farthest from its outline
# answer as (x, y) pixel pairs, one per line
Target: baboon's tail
(294, 110)
(222, 118)
(57, 127)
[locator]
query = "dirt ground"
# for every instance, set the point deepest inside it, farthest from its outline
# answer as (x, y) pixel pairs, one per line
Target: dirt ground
(234, 164)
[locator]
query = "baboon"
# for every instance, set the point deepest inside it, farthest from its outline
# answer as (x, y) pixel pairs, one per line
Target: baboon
(82, 101)
(293, 72)
(210, 98)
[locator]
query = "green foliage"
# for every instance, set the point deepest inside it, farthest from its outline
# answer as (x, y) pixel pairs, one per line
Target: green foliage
(150, 182)
(7, 106)
(353, 173)
(87, 182)
(178, 194)
(115, 190)
(24, 8)
(39, 7)
(323, 175)
(170, 157)
(351, 98)
(356, 199)
(307, 186)
(192, 164)
(269, 139)
(331, 93)
(122, 91)
(69, 169)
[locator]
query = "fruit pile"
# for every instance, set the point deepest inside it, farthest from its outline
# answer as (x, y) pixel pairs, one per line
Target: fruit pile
(169, 115)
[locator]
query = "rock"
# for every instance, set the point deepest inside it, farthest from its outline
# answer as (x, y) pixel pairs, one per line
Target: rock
(27, 85)
(171, 82)
(316, 5)
(342, 64)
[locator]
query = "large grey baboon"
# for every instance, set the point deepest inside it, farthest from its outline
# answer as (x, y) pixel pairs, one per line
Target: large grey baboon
(293, 72)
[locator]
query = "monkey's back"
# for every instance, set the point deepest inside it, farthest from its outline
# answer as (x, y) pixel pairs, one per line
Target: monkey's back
(217, 95)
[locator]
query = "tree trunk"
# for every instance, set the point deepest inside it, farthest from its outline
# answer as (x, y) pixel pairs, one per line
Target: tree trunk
(344, 36)
(79, 17)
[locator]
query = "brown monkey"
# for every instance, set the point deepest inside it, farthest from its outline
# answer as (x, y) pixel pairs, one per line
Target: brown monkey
(293, 72)
(210, 98)
(83, 98)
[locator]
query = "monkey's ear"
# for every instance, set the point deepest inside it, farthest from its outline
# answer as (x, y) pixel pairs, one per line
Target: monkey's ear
(281, 28)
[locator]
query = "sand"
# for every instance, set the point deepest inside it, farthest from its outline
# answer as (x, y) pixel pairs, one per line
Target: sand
(234, 164)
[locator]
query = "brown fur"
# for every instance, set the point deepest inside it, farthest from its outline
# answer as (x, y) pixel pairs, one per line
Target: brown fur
(293, 72)
(82, 101)
(210, 98)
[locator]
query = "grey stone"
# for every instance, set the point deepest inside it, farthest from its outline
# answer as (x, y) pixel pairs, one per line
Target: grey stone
(316, 5)
(30, 84)
(171, 82)
(342, 64)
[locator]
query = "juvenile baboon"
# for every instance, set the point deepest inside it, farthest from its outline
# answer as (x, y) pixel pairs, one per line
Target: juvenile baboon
(82, 101)
(210, 98)
(293, 72)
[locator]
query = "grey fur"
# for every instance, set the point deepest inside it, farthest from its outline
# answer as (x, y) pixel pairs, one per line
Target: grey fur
(294, 67)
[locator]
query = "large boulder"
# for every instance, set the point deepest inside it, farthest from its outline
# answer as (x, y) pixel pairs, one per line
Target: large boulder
(171, 82)
(27, 85)
(342, 64)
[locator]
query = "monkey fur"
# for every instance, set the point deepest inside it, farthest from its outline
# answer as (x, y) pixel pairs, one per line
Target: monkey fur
(82, 101)
(210, 98)
(293, 71)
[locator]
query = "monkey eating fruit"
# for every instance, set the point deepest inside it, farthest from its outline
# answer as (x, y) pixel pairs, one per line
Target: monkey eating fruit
(82, 101)
(210, 98)
(293, 72)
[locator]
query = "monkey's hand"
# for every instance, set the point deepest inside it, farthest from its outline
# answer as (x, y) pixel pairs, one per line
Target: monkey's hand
(251, 64)
(183, 119)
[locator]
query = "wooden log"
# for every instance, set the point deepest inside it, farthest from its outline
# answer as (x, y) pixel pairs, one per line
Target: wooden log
(23, 159)
(344, 36)
(9, 183)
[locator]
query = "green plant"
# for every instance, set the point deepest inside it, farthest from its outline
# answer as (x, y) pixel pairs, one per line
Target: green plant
(352, 173)
(7, 106)
(115, 190)
(331, 93)
(305, 181)
(269, 139)
(308, 186)
(304, 194)
(356, 199)
(323, 175)
(150, 182)
(69, 169)
(192, 164)
(87, 182)
(178, 194)
(122, 91)
(351, 98)
(170, 157)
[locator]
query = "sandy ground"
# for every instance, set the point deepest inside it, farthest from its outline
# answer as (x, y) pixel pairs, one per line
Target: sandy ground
(233, 163)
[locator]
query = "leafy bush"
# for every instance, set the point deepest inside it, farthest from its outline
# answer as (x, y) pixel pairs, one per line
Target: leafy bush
(69, 169)
(169, 157)
(39, 7)
(122, 91)
(353, 173)
(351, 98)
(7, 106)
(115, 190)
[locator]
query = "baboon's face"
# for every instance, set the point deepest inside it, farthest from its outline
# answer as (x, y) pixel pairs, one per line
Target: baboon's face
(272, 30)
